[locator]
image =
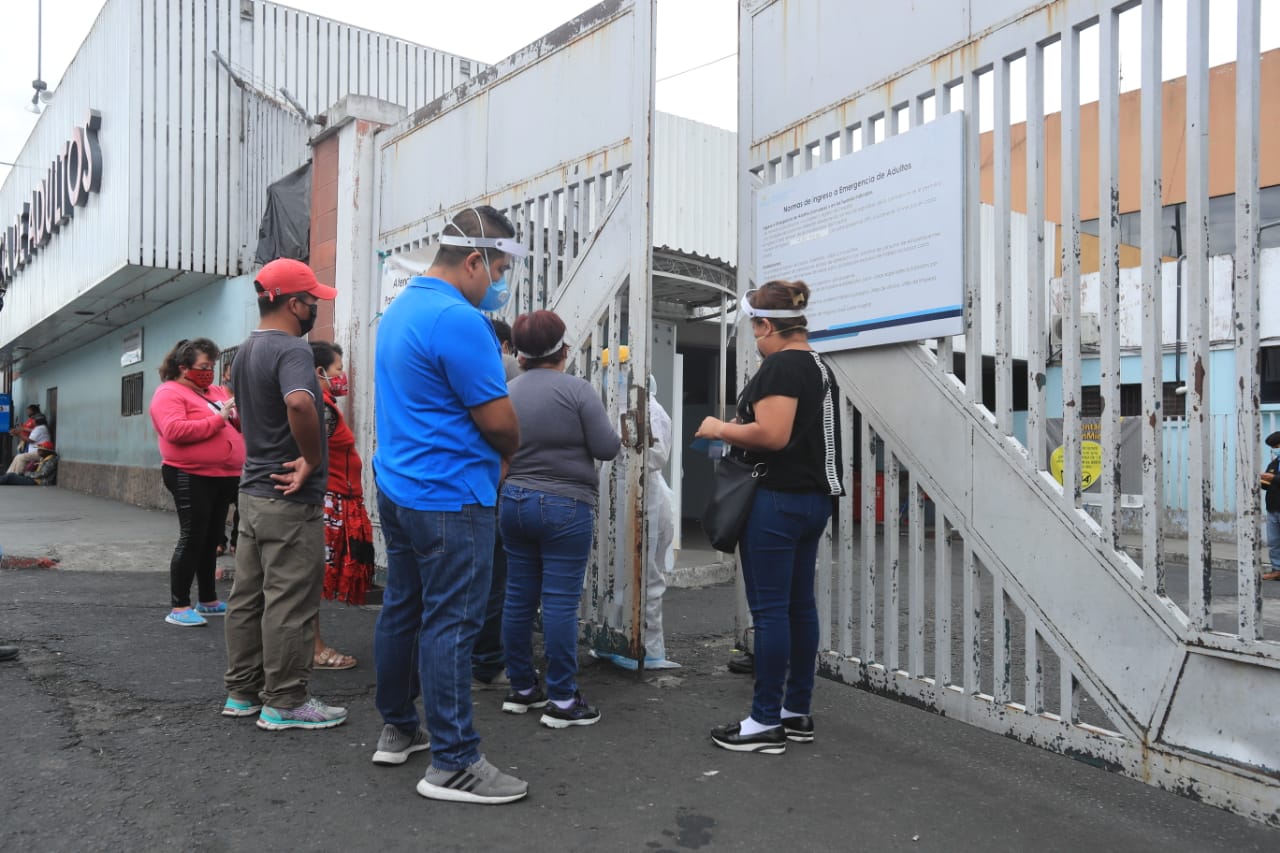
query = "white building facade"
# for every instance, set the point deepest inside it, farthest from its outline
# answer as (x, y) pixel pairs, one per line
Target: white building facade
(132, 217)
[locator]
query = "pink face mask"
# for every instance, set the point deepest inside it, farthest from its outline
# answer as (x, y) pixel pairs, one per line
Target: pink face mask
(338, 385)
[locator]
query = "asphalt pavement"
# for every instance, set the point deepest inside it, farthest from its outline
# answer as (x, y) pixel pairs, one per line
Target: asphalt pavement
(114, 741)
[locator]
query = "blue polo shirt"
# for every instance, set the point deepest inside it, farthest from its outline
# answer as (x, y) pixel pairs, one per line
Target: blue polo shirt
(435, 358)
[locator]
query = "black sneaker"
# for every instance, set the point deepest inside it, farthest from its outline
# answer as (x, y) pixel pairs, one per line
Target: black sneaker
(743, 664)
(577, 714)
(770, 741)
(520, 703)
(798, 729)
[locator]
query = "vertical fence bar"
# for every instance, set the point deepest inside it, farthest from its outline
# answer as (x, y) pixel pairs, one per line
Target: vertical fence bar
(1033, 685)
(999, 641)
(1245, 321)
(941, 599)
(973, 240)
(1068, 694)
(1037, 281)
(915, 569)
(892, 565)
(1004, 248)
(844, 631)
(1199, 289)
(946, 361)
(1071, 266)
(972, 636)
(867, 649)
(1109, 267)
(1152, 299)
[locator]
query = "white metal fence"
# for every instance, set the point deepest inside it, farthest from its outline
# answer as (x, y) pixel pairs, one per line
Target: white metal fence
(1022, 614)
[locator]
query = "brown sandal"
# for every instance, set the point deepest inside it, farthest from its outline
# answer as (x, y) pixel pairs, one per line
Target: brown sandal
(329, 658)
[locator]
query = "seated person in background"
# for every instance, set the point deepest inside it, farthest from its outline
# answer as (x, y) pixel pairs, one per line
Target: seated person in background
(32, 432)
(46, 473)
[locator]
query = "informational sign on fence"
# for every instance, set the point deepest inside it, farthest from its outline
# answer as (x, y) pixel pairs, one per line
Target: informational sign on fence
(878, 236)
(397, 269)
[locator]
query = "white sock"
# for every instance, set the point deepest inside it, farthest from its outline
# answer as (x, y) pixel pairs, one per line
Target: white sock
(749, 727)
(787, 715)
(563, 704)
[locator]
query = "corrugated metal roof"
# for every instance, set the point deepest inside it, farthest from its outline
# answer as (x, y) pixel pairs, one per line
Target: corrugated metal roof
(695, 208)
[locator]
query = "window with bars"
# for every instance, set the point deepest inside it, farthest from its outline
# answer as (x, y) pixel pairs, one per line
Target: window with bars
(1173, 404)
(131, 395)
(1270, 357)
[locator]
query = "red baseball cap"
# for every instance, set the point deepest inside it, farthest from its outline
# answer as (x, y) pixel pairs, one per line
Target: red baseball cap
(285, 276)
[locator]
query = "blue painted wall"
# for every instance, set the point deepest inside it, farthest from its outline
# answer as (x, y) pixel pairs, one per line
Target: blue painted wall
(1222, 373)
(89, 426)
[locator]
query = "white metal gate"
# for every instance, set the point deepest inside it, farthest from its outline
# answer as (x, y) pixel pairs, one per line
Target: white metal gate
(1023, 615)
(558, 138)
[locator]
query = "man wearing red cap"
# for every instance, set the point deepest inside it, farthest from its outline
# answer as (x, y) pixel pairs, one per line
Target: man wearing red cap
(270, 620)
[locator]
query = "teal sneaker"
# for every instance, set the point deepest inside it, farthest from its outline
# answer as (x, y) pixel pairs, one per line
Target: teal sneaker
(234, 707)
(186, 618)
(218, 608)
(313, 714)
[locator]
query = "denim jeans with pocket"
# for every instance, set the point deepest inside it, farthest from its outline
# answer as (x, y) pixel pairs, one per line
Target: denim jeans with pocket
(438, 573)
(548, 542)
(779, 551)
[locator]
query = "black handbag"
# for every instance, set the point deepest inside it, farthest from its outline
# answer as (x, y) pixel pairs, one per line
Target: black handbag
(734, 490)
(732, 494)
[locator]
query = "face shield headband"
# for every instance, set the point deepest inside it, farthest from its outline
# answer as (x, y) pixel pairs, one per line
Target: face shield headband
(555, 349)
(499, 292)
(767, 313)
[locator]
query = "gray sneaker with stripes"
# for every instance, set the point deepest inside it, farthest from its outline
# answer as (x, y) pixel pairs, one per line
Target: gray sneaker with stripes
(479, 783)
(395, 746)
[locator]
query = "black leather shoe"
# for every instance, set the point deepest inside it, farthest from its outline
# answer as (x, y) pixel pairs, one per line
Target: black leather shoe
(770, 741)
(8, 653)
(742, 664)
(798, 729)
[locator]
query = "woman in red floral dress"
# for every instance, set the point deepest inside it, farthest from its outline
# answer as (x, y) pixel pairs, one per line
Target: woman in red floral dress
(348, 535)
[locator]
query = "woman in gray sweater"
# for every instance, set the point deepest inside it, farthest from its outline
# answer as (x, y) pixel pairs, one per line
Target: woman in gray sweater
(546, 513)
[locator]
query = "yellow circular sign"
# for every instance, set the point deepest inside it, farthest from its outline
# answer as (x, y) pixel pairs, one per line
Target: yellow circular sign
(1090, 463)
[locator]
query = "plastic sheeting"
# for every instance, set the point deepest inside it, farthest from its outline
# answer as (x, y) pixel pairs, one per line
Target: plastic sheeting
(285, 231)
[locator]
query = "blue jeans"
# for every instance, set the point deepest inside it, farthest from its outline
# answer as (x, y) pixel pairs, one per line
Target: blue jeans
(487, 659)
(779, 551)
(1273, 539)
(548, 542)
(438, 571)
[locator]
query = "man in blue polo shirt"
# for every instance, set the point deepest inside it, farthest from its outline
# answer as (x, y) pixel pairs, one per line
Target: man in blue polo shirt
(445, 430)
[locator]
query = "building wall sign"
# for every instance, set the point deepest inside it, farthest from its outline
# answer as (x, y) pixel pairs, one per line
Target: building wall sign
(71, 177)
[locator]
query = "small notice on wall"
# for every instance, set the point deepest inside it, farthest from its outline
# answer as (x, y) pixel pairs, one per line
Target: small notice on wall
(131, 349)
(878, 236)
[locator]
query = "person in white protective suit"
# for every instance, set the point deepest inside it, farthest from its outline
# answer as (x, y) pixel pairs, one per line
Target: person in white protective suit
(659, 551)
(659, 555)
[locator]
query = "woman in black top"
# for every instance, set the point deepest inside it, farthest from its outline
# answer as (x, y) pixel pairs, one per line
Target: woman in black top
(787, 418)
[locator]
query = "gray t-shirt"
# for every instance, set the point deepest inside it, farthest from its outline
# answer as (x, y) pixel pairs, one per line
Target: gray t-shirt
(563, 429)
(268, 367)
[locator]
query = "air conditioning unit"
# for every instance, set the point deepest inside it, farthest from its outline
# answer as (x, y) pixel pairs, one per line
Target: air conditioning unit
(1090, 336)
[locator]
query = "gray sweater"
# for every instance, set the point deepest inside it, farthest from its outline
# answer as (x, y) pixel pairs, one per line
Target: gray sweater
(563, 429)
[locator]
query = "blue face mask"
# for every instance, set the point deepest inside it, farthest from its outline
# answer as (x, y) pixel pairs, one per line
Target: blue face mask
(496, 296)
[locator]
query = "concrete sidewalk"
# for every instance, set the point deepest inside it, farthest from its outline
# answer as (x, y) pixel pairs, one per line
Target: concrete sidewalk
(113, 740)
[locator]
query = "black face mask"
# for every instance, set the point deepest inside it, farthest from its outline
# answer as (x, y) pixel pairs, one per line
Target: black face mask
(309, 323)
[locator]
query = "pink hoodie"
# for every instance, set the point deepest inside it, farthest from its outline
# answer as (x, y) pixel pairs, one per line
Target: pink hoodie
(193, 436)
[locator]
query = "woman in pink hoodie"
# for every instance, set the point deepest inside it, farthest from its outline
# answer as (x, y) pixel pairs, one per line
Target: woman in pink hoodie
(202, 453)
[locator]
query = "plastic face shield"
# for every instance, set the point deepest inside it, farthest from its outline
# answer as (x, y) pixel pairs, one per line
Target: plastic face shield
(516, 276)
(766, 313)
